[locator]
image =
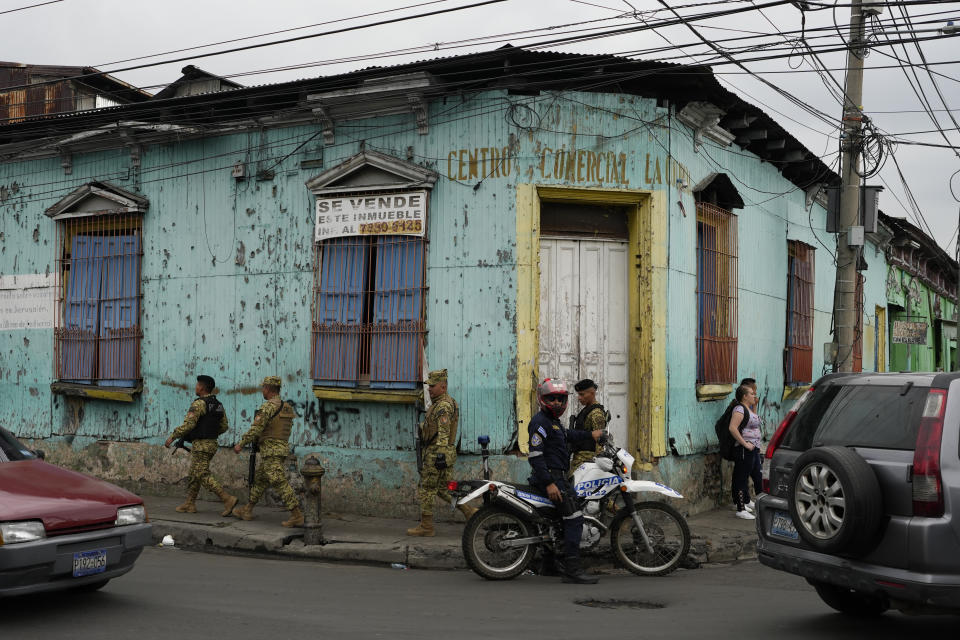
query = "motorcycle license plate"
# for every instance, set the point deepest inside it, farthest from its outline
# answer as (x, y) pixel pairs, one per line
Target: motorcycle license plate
(782, 525)
(87, 563)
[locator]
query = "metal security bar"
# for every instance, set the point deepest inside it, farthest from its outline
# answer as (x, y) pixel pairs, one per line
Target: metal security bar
(716, 295)
(368, 321)
(798, 364)
(97, 330)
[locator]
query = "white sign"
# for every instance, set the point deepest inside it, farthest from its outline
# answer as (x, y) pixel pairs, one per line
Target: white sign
(26, 302)
(385, 214)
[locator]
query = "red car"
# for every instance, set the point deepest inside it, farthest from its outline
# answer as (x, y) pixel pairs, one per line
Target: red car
(60, 529)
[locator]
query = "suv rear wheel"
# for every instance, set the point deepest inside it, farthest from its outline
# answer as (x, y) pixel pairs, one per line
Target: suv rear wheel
(835, 500)
(850, 602)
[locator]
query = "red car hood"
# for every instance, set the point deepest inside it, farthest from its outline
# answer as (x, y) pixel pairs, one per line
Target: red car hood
(63, 499)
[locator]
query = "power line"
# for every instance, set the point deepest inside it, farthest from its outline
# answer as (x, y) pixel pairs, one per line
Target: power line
(32, 6)
(267, 44)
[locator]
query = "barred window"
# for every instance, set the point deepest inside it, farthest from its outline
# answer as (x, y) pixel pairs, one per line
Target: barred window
(368, 322)
(798, 360)
(716, 295)
(97, 330)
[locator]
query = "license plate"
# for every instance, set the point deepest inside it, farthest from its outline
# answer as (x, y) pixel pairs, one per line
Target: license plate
(87, 563)
(782, 526)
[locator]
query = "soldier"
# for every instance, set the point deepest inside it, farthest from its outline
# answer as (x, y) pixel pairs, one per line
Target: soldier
(591, 418)
(438, 437)
(271, 431)
(205, 422)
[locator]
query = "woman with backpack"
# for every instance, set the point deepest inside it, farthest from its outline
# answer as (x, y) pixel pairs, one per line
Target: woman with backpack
(746, 431)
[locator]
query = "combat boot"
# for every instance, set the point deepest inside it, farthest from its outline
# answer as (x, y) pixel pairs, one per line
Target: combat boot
(189, 505)
(296, 518)
(425, 528)
(548, 565)
(466, 510)
(573, 573)
(245, 512)
(229, 502)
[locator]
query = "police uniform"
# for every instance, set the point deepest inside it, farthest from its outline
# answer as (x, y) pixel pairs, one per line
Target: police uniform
(438, 437)
(205, 421)
(271, 428)
(590, 418)
(549, 458)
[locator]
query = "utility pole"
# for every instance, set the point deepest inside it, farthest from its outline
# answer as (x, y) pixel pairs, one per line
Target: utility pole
(850, 229)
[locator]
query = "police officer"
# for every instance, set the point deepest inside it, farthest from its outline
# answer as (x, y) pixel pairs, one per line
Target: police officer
(271, 431)
(204, 423)
(549, 457)
(438, 437)
(591, 418)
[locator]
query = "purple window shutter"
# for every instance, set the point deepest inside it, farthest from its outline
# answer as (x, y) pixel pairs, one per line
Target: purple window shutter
(78, 347)
(343, 279)
(119, 328)
(395, 340)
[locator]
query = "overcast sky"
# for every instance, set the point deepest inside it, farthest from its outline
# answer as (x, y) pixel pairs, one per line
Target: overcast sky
(101, 32)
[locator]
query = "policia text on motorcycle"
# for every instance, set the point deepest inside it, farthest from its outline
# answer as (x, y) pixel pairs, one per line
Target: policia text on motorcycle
(550, 459)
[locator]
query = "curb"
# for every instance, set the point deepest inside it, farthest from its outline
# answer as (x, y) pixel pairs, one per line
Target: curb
(724, 548)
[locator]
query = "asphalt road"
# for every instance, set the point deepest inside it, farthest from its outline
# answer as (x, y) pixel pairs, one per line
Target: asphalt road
(174, 594)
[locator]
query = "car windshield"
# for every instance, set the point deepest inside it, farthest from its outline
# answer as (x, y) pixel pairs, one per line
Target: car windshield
(13, 449)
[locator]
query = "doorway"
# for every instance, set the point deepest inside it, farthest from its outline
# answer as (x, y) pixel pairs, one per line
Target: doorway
(584, 315)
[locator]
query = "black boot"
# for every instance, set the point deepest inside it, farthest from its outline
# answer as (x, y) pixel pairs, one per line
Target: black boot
(548, 565)
(573, 572)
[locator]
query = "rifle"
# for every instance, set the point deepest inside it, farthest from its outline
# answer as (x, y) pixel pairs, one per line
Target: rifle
(417, 428)
(252, 465)
(179, 444)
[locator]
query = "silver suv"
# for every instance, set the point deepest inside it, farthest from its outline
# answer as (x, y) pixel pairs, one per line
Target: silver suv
(862, 493)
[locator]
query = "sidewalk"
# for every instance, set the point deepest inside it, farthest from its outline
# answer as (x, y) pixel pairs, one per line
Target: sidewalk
(718, 537)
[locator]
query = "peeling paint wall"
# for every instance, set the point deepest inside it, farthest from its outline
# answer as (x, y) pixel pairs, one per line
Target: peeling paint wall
(227, 276)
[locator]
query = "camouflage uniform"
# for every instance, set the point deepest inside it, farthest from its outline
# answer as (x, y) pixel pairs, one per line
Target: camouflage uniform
(595, 419)
(273, 452)
(439, 435)
(202, 451)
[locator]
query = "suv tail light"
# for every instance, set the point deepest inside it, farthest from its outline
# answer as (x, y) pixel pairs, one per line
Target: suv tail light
(778, 437)
(927, 484)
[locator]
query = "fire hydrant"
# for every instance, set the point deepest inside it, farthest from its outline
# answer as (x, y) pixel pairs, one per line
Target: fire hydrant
(312, 473)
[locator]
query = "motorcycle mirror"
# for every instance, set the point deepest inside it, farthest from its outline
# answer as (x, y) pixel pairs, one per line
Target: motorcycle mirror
(483, 440)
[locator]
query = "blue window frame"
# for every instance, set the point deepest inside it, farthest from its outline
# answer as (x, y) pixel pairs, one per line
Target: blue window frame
(97, 334)
(368, 327)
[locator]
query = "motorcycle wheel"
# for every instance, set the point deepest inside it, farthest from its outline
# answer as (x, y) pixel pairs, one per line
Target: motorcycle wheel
(667, 531)
(481, 544)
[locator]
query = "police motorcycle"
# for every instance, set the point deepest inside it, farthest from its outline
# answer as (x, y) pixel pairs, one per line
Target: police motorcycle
(499, 542)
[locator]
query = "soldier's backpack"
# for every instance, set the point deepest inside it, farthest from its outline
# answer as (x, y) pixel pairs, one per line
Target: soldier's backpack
(722, 428)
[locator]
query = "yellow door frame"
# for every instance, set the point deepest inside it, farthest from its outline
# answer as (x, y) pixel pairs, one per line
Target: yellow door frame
(647, 227)
(881, 321)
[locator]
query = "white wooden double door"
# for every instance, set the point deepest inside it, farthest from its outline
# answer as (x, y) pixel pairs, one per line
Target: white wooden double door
(583, 321)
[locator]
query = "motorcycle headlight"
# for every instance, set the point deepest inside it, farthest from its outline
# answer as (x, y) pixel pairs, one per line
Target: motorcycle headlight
(131, 515)
(605, 464)
(27, 531)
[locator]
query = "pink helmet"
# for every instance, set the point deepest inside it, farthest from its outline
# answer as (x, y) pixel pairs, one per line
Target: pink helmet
(550, 387)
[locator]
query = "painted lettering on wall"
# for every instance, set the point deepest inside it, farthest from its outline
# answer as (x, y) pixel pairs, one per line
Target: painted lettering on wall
(479, 163)
(569, 165)
(583, 165)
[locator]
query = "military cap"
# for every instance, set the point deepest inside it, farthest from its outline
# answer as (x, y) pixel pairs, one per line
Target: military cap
(436, 377)
(273, 381)
(585, 384)
(207, 381)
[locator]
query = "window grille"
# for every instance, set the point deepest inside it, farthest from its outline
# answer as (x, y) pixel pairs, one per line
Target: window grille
(368, 324)
(97, 330)
(798, 364)
(716, 295)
